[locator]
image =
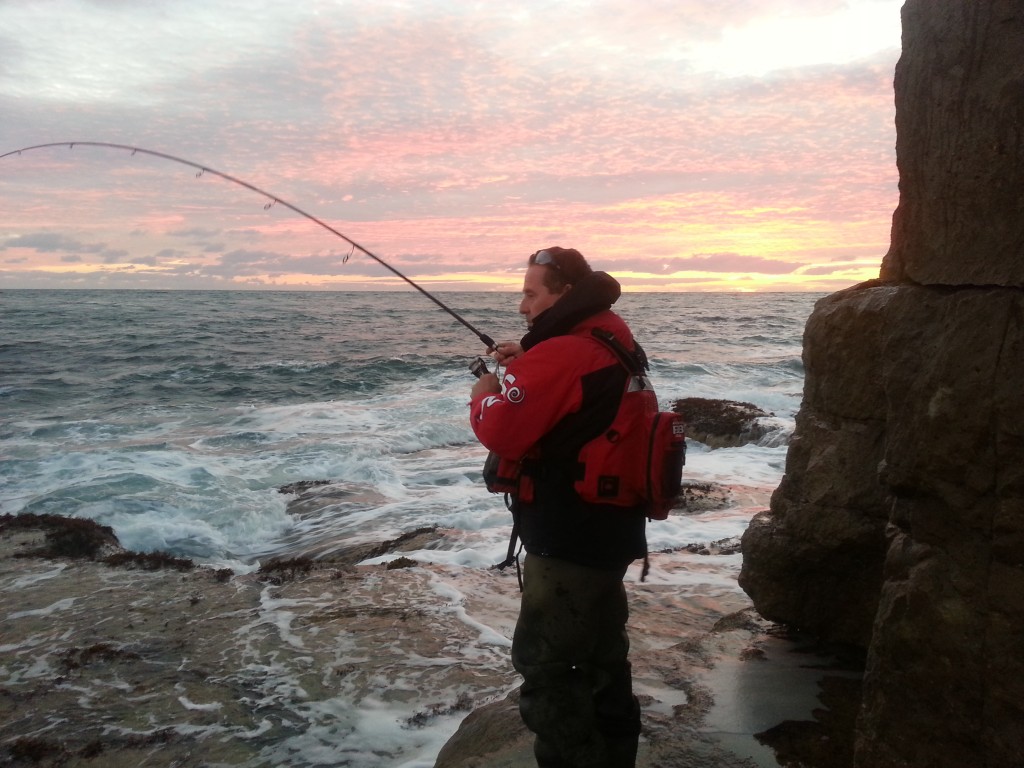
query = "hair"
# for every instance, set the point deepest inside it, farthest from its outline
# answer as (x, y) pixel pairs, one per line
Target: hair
(567, 267)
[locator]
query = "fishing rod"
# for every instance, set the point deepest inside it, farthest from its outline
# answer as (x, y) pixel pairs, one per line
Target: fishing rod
(274, 200)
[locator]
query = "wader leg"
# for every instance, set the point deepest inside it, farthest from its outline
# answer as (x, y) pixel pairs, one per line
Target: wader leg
(570, 646)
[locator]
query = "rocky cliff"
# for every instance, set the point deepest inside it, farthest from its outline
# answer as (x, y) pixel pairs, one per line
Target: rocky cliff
(899, 524)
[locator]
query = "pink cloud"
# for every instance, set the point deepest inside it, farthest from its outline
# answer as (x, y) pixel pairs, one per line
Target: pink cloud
(456, 143)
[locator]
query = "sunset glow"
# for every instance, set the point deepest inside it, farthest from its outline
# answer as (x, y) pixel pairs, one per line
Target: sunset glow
(690, 146)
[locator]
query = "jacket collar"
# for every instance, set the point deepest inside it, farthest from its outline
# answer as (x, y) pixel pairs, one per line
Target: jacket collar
(592, 294)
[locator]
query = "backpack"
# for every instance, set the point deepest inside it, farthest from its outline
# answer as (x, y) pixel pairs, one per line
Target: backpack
(501, 475)
(639, 459)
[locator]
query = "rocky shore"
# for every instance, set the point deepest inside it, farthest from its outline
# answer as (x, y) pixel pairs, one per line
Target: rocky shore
(111, 658)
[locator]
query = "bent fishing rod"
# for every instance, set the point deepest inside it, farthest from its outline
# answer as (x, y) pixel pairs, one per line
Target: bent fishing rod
(274, 200)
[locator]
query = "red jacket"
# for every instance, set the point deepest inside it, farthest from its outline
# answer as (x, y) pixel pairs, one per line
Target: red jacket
(561, 393)
(543, 386)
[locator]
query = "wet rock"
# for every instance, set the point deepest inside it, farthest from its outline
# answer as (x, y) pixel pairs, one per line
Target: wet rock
(701, 497)
(163, 668)
(721, 423)
(70, 537)
(76, 658)
(492, 735)
(400, 562)
(149, 561)
(167, 668)
(279, 570)
(729, 546)
(301, 486)
(65, 536)
(418, 538)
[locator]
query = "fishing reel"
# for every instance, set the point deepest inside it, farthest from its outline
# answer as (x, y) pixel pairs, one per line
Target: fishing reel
(478, 367)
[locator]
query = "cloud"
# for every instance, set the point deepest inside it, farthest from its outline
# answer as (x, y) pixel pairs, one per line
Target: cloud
(114, 256)
(50, 242)
(731, 262)
(834, 269)
(451, 138)
(170, 253)
(195, 233)
(72, 249)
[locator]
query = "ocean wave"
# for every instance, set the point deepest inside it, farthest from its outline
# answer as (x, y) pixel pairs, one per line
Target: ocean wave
(179, 431)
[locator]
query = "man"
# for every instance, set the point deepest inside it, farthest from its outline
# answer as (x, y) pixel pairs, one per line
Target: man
(562, 388)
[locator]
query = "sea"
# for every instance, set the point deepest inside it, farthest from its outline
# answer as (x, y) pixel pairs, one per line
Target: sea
(176, 417)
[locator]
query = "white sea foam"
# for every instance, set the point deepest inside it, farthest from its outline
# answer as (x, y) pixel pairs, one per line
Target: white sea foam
(455, 599)
(60, 605)
(35, 578)
(211, 707)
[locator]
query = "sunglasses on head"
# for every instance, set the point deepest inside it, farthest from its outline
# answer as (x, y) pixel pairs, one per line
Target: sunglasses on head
(545, 259)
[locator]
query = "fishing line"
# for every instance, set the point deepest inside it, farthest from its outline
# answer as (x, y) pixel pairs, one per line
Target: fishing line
(274, 200)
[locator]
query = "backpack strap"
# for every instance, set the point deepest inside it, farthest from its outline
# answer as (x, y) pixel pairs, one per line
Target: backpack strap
(634, 362)
(513, 554)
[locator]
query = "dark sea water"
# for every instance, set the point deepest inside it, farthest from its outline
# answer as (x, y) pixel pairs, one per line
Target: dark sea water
(175, 416)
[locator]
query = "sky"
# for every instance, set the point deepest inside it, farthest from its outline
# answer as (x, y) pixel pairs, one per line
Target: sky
(680, 145)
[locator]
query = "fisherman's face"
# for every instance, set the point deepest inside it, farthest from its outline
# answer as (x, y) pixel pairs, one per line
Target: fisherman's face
(536, 296)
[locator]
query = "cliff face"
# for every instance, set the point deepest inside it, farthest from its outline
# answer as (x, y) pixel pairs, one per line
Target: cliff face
(899, 524)
(959, 112)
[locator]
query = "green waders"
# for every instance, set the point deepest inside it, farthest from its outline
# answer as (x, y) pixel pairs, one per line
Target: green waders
(570, 646)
